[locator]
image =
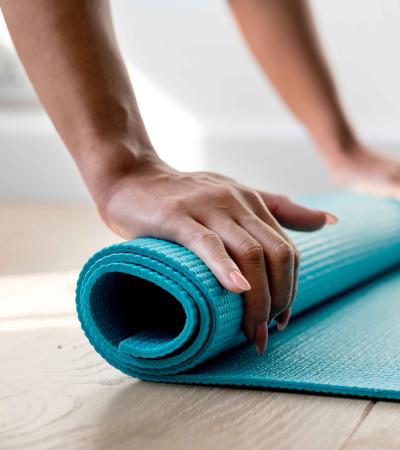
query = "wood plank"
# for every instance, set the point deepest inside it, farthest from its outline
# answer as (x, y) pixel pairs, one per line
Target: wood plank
(56, 392)
(37, 295)
(49, 237)
(380, 429)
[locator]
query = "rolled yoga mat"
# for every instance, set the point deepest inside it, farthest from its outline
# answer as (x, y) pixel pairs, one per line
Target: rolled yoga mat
(153, 310)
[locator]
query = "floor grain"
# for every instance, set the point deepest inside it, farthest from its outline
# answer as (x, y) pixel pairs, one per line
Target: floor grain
(56, 392)
(380, 429)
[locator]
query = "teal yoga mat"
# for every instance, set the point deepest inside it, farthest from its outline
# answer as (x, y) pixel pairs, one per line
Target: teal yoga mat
(154, 311)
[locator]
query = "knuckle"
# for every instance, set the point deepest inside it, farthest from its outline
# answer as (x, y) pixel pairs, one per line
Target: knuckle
(252, 251)
(277, 202)
(225, 193)
(223, 259)
(282, 304)
(249, 193)
(284, 253)
(205, 237)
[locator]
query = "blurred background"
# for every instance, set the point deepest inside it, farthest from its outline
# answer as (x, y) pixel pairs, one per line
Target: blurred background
(206, 105)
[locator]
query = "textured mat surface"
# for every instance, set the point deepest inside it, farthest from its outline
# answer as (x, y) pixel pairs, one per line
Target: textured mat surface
(153, 310)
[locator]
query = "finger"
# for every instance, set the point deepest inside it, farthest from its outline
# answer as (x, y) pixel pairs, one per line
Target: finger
(256, 204)
(294, 216)
(271, 221)
(295, 276)
(281, 207)
(208, 246)
(283, 319)
(279, 255)
(261, 337)
(249, 256)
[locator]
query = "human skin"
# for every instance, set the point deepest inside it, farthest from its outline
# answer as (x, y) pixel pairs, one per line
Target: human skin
(70, 53)
(283, 38)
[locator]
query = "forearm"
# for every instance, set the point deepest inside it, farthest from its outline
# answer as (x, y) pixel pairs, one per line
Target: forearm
(282, 36)
(70, 53)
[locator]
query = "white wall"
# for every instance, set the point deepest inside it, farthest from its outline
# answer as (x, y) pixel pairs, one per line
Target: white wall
(194, 51)
(207, 105)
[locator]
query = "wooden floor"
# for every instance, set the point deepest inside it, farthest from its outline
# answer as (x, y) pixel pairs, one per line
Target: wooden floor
(56, 392)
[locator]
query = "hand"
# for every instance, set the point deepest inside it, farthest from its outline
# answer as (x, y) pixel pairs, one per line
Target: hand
(362, 169)
(235, 230)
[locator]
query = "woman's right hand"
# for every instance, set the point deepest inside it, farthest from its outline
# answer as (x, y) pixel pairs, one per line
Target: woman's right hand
(237, 231)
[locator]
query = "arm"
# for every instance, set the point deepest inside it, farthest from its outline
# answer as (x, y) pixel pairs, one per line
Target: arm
(283, 38)
(70, 53)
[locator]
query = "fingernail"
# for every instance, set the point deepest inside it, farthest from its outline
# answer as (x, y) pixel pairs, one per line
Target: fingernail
(261, 337)
(240, 280)
(330, 219)
(282, 320)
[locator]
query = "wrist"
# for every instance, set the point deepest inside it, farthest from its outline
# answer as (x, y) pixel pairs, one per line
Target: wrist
(335, 141)
(103, 164)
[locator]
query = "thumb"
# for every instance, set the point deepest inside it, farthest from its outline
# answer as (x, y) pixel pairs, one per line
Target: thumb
(294, 216)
